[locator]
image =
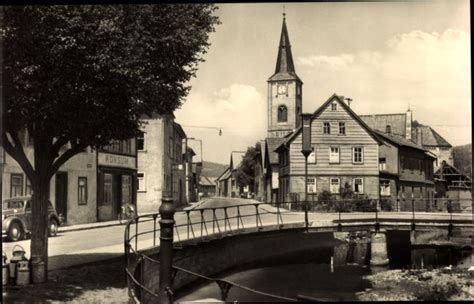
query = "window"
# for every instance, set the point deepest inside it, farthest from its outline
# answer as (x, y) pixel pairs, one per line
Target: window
(126, 189)
(141, 141)
(388, 129)
(311, 185)
(358, 185)
(342, 128)
(382, 164)
(358, 155)
(141, 183)
(82, 190)
(107, 189)
(333, 155)
(333, 106)
(335, 185)
(16, 186)
(312, 156)
(385, 188)
(28, 188)
(326, 128)
(282, 114)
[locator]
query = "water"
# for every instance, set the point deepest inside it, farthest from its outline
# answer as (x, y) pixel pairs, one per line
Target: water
(330, 274)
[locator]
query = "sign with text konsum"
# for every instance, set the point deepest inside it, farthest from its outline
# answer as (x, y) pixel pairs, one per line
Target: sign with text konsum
(114, 160)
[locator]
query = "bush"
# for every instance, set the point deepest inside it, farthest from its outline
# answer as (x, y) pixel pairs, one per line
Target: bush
(385, 205)
(363, 203)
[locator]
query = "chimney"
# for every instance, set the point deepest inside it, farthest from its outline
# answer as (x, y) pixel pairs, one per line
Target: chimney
(408, 125)
(419, 136)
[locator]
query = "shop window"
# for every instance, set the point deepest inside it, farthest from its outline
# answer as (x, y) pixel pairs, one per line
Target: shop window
(141, 186)
(334, 155)
(326, 128)
(141, 141)
(358, 185)
(82, 190)
(342, 128)
(107, 189)
(335, 185)
(385, 188)
(358, 155)
(16, 185)
(126, 189)
(311, 185)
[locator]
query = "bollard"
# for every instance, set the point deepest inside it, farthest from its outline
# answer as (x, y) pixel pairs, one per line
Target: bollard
(167, 211)
(5, 269)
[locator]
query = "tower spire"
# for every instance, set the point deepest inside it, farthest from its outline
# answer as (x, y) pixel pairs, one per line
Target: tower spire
(285, 58)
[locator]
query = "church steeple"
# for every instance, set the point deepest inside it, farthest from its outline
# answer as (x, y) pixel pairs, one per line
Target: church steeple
(284, 91)
(285, 68)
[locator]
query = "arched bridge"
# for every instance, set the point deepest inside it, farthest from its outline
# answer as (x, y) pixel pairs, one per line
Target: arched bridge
(167, 250)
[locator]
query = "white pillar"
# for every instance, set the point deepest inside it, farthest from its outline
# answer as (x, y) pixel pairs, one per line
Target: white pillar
(378, 247)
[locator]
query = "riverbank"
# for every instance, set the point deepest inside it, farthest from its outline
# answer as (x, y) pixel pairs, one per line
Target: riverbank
(420, 284)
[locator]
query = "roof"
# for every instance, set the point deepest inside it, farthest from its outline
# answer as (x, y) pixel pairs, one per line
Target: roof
(396, 121)
(285, 68)
(236, 158)
(207, 181)
(225, 175)
(222, 174)
(191, 151)
(399, 140)
(272, 143)
(179, 129)
(316, 113)
(430, 137)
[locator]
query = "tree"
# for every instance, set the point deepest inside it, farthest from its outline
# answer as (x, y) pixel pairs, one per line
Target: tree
(245, 174)
(80, 76)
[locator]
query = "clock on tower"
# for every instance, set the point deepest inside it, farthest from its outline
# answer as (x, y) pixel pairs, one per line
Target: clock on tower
(281, 89)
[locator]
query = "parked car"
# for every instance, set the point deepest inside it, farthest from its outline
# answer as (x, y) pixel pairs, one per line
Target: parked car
(16, 218)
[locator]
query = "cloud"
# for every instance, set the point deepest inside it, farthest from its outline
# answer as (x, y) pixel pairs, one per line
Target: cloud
(428, 71)
(239, 109)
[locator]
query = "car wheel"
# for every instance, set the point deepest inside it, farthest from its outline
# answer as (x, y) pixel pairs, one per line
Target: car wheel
(53, 228)
(15, 232)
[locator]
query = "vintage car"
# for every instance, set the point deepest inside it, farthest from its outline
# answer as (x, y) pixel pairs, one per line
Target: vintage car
(16, 218)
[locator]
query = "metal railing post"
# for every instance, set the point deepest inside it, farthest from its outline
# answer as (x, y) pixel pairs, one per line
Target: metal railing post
(413, 213)
(154, 229)
(167, 222)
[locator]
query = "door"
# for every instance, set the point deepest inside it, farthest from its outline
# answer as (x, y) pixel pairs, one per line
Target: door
(61, 194)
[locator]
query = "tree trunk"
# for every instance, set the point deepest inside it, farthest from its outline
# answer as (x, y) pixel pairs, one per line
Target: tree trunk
(39, 227)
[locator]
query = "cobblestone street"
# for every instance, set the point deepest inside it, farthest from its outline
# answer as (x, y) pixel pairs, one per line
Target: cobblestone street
(101, 282)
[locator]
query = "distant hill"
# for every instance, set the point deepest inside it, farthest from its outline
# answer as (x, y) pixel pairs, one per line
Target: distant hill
(462, 156)
(210, 169)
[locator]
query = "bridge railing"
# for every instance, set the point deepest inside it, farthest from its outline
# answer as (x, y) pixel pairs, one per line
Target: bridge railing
(199, 224)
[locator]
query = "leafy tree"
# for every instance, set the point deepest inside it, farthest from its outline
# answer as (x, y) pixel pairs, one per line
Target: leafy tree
(245, 174)
(79, 76)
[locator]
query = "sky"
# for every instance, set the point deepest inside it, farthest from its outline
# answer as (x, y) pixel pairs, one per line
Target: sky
(386, 56)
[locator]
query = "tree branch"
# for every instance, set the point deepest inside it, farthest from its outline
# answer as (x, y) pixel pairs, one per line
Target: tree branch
(16, 151)
(65, 157)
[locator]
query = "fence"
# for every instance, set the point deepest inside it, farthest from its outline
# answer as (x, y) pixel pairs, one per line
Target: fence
(209, 223)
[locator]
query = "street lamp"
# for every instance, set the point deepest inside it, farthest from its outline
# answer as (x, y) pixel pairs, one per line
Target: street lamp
(306, 151)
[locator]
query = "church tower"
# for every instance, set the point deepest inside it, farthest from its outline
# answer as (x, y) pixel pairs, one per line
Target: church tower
(284, 91)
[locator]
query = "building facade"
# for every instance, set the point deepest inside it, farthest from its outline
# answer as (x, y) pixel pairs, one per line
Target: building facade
(406, 172)
(345, 151)
(116, 178)
(161, 163)
(89, 187)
